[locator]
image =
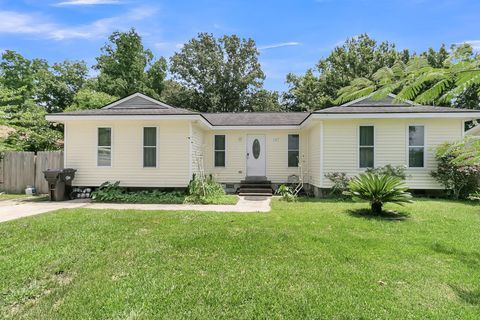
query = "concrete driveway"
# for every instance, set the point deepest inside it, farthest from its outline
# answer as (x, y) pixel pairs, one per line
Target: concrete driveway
(14, 209)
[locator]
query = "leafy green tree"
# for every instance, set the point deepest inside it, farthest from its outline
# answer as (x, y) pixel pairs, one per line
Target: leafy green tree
(222, 74)
(358, 57)
(51, 87)
(57, 87)
(306, 93)
(30, 130)
(458, 166)
(266, 101)
(90, 99)
(126, 67)
(455, 83)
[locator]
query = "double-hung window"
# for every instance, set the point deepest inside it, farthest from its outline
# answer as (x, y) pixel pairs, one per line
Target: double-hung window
(219, 150)
(293, 150)
(104, 147)
(149, 147)
(416, 146)
(366, 147)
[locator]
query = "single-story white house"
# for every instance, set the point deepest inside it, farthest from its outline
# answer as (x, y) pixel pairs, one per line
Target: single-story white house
(142, 142)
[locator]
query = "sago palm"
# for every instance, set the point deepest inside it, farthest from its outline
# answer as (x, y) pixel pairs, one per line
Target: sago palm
(378, 190)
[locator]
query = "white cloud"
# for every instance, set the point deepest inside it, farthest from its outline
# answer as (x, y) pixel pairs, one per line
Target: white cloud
(14, 22)
(474, 43)
(279, 45)
(23, 23)
(85, 2)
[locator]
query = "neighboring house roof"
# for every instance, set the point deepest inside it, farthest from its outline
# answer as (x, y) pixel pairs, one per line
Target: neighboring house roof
(139, 106)
(256, 118)
(386, 105)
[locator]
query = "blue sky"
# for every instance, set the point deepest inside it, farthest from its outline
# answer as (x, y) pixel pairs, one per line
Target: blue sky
(292, 35)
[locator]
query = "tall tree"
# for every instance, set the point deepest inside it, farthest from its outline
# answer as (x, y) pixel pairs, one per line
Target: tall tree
(58, 86)
(455, 83)
(90, 99)
(222, 74)
(52, 87)
(359, 56)
(28, 128)
(126, 67)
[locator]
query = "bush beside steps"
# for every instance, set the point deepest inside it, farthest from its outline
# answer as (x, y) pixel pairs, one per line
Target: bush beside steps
(199, 191)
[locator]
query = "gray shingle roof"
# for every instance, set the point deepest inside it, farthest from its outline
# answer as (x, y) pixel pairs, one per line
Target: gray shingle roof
(256, 118)
(138, 104)
(386, 105)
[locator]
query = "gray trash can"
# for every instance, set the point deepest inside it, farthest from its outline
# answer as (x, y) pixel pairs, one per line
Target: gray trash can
(59, 183)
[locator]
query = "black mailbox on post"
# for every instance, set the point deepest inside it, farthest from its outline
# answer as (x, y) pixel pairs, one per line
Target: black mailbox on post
(59, 183)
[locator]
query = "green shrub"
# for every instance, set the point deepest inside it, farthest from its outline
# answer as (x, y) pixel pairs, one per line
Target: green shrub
(378, 190)
(475, 196)
(112, 192)
(204, 190)
(458, 167)
(286, 193)
(340, 182)
(389, 170)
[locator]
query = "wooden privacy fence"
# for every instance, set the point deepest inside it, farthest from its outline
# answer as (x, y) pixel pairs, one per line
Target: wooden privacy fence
(19, 169)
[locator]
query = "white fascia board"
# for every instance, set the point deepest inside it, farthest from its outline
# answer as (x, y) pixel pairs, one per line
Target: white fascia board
(61, 118)
(254, 127)
(460, 115)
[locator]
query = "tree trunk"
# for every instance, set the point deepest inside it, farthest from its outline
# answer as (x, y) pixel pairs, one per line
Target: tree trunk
(376, 207)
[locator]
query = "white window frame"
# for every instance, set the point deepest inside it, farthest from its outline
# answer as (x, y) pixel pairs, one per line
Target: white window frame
(407, 130)
(288, 149)
(372, 146)
(97, 146)
(156, 147)
(225, 151)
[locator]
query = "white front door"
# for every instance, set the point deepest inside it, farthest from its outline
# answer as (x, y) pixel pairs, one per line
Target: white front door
(256, 156)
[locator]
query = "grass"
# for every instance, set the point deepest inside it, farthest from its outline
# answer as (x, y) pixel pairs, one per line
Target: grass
(303, 260)
(10, 196)
(167, 198)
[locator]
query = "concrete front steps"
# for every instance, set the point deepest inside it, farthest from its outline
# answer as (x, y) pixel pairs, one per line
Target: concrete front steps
(255, 186)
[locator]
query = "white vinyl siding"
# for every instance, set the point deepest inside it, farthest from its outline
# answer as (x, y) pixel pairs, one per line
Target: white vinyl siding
(276, 144)
(391, 146)
(197, 149)
(314, 155)
(127, 153)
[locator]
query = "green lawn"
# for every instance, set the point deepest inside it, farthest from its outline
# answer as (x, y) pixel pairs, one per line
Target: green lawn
(9, 196)
(305, 260)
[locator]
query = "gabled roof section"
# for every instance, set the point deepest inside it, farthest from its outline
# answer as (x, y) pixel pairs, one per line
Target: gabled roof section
(368, 105)
(137, 101)
(368, 101)
(134, 104)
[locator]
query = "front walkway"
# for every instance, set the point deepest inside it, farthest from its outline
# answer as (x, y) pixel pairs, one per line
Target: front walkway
(11, 209)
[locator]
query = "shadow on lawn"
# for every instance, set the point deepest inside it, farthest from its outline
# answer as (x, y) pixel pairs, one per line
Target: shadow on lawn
(387, 215)
(472, 259)
(468, 296)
